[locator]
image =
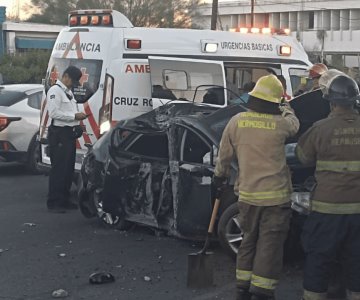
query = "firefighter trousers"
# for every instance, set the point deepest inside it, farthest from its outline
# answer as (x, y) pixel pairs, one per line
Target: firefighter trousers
(62, 147)
(260, 256)
(328, 238)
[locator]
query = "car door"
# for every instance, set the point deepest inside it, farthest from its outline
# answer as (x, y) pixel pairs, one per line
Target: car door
(200, 81)
(137, 180)
(191, 174)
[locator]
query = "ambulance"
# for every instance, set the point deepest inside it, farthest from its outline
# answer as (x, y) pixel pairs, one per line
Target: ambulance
(128, 71)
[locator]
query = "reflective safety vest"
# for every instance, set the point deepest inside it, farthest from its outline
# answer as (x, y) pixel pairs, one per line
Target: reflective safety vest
(333, 146)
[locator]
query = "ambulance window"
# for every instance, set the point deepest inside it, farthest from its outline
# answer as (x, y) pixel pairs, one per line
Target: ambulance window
(183, 78)
(89, 82)
(241, 78)
(246, 75)
(175, 80)
(298, 78)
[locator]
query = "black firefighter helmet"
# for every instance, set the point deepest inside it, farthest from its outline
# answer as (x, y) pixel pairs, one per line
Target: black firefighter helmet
(339, 88)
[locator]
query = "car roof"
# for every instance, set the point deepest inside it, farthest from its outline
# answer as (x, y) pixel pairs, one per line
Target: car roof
(14, 93)
(207, 119)
(160, 118)
(21, 87)
(212, 124)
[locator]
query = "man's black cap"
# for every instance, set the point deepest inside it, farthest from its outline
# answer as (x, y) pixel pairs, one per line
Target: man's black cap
(74, 73)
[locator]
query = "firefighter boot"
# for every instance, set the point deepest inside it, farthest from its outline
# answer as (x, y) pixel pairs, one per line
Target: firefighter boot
(242, 294)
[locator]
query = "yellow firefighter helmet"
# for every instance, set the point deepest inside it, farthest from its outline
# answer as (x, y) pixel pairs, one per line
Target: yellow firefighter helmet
(268, 88)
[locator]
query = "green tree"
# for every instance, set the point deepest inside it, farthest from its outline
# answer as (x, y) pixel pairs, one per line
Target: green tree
(26, 67)
(150, 13)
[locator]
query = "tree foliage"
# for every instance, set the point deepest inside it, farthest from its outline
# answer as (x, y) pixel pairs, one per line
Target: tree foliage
(26, 67)
(150, 13)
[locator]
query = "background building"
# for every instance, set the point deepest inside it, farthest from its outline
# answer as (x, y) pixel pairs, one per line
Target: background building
(328, 29)
(22, 36)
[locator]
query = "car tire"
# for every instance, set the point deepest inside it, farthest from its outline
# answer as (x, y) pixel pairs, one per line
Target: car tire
(86, 205)
(34, 157)
(229, 232)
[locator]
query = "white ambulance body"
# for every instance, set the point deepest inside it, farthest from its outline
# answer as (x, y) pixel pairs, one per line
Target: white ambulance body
(127, 70)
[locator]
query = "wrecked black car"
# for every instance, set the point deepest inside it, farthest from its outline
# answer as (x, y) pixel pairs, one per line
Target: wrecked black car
(156, 170)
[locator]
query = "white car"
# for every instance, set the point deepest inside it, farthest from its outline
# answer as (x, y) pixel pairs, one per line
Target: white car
(19, 123)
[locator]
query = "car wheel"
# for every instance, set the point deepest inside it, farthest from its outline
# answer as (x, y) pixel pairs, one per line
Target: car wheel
(108, 219)
(229, 231)
(34, 157)
(86, 204)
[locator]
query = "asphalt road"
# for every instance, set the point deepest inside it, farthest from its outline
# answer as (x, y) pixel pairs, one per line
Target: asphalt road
(42, 252)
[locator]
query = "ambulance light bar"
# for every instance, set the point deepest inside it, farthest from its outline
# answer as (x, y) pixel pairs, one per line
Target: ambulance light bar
(90, 20)
(265, 30)
(284, 50)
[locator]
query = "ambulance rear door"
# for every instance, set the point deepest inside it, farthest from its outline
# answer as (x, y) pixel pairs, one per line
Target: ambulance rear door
(296, 77)
(178, 79)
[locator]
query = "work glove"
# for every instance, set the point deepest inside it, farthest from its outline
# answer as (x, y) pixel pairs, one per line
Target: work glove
(219, 184)
(286, 109)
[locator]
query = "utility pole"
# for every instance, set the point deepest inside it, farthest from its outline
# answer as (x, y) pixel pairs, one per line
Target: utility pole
(252, 12)
(18, 10)
(301, 16)
(214, 14)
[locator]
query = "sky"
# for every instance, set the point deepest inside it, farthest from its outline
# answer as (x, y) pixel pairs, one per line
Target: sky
(12, 7)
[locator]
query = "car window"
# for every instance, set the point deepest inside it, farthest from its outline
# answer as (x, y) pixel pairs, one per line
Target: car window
(8, 98)
(151, 145)
(34, 100)
(195, 149)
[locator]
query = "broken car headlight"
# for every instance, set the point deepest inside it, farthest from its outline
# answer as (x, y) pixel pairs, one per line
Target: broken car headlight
(300, 202)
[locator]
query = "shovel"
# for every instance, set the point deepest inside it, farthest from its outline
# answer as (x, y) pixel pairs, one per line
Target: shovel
(201, 265)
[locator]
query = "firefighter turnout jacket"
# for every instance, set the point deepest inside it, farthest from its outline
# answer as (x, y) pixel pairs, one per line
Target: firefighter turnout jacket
(333, 145)
(257, 140)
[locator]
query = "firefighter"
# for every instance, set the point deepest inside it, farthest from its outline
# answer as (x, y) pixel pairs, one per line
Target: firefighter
(314, 74)
(256, 139)
(332, 230)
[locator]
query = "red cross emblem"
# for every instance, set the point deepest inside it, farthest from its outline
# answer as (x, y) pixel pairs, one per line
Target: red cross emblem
(54, 75)
(84, 78)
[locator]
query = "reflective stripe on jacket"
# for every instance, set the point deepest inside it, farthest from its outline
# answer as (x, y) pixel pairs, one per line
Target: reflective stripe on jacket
(333, 146)
(248, 278)
(257, 141)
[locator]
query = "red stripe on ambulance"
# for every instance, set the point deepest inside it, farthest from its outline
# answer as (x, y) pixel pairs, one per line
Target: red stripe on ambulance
(92, 121)
(75, 41)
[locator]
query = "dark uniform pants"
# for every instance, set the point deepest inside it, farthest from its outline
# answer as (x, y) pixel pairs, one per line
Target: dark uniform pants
(327, 238)
(260, 256)
(62, 148)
